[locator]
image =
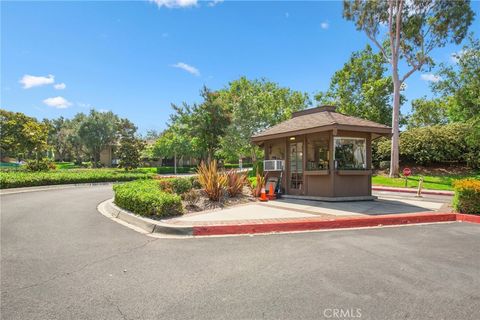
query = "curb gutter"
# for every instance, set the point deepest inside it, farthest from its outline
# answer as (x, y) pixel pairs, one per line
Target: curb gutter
(146, 224)
(108, 208)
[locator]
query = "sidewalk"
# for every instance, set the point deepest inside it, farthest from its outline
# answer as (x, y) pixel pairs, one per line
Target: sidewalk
(414, 190)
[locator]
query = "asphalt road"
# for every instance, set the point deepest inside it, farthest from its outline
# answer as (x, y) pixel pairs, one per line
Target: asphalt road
(61, 259)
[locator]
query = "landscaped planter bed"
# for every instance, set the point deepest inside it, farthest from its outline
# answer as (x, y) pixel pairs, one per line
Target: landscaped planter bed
(172, 196)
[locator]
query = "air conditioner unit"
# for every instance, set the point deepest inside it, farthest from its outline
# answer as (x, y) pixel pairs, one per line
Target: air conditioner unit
(273, 165)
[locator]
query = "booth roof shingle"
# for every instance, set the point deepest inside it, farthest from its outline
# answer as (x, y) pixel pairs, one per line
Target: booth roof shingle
(320, 117)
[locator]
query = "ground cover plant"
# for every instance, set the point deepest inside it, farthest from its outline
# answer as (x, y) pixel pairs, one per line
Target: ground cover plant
(15, 179)
(467, 196)
(146, 198)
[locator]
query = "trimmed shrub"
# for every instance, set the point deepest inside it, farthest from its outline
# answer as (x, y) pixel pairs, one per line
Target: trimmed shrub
(175, 185)
(181, 185)
(236, 165)
(467, 196)
(433, 144)
(168, 170)
(44, 164)
(145, 198)
(165, 185)
(16, 179)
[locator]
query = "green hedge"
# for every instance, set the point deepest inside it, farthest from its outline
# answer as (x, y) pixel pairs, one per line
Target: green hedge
(236, 165)
(168, 170)
(467, 196)
(175, 185)
(434, 144)
(145, 198)
(15, 179)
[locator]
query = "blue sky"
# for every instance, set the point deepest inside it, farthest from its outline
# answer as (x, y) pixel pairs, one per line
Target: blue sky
(136, 58)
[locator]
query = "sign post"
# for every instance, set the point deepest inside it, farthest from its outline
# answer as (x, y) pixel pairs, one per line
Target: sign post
(406, 173)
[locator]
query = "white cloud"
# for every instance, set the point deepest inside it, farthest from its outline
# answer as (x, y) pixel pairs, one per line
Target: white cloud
(175, 3)
(57, 102)
(455, 56)
(325, 25)
(60, 86)
(29, 81)
(430, 77)
(188, 68)
(214, 3)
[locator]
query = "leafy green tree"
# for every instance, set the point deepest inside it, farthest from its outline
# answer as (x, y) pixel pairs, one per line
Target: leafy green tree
(131, 147)
(411, 30)
(361, 88)
(22, 135)
(97, 131)
(461, 84)
(203, 124)
(172, 143)
(255, 105)
(428, 112)
(79, 151)
(58, 137)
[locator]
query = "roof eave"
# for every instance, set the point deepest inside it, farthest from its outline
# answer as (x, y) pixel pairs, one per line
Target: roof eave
(384, 131)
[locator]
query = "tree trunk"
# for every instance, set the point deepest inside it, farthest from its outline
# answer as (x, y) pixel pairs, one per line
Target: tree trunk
(394, 152)
(175, 163)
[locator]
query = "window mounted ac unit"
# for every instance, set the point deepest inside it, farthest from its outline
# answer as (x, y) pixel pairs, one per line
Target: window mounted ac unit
(273, 165)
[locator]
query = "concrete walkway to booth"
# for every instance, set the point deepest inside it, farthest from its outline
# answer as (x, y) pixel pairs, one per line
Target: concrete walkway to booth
(283, 209)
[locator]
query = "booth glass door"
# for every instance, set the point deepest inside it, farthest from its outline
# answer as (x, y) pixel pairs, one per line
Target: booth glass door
(296, 167)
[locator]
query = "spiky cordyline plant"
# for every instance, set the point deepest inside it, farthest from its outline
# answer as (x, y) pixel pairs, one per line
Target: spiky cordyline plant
(213, 182)
(235, 182)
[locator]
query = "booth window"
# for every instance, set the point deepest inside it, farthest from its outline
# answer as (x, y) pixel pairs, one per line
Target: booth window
(350, 153)
(317, 153)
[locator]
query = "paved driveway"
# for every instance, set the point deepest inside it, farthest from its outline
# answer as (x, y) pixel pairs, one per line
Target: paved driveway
(61, 259)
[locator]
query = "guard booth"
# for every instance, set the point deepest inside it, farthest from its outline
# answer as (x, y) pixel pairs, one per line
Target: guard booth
(322, 154)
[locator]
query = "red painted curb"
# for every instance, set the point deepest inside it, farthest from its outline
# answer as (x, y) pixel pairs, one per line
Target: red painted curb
(468, 218)
(305, 225)
(438, 193)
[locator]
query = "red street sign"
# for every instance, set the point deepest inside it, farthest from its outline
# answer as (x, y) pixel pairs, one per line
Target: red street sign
(407, 172)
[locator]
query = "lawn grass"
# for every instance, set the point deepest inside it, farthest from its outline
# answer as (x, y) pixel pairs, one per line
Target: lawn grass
(66, 165)
(434, 182)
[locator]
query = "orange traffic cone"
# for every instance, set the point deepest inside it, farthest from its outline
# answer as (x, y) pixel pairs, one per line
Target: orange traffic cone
(263, 196)
(271, 193)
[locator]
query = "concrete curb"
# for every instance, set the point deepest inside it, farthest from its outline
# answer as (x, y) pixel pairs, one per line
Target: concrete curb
(472, 218)
(406, 190)
(108, 208)
(146, 224)
(341, 223)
